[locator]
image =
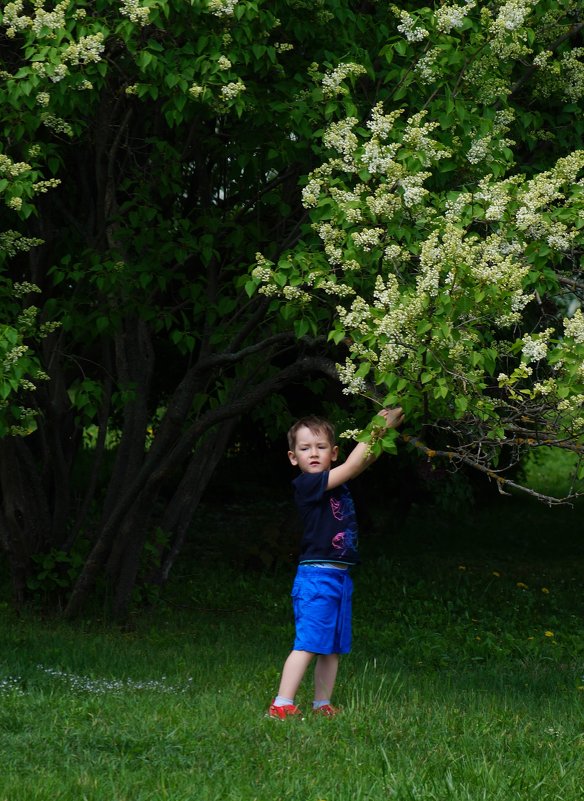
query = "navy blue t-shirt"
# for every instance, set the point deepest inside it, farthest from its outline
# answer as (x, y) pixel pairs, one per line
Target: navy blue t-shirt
(328, 516)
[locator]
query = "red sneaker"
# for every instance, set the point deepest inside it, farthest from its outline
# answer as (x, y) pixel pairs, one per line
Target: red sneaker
(327, 711)
(283, 712)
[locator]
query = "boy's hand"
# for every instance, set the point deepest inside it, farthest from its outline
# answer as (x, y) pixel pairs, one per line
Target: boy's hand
(393, 417)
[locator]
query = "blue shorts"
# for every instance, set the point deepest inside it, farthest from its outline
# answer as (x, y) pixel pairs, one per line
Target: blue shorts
(322, 601)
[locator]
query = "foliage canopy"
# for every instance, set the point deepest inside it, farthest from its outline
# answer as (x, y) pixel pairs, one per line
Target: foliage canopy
(409, 176)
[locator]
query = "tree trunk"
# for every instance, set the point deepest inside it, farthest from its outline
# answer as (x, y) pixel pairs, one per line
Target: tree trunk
(186, 499)
(24, 516)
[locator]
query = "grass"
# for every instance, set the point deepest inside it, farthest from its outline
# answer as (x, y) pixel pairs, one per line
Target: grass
(466, 681)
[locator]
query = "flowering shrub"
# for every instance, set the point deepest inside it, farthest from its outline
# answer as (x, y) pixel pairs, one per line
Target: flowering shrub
(439, 250)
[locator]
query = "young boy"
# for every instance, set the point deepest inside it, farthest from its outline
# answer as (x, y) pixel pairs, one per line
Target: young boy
(323, 586)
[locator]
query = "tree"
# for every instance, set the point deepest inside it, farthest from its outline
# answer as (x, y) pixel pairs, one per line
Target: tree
(179, 134)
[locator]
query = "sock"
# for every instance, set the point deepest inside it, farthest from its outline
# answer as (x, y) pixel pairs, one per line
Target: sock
(318, 704)
(281, 701)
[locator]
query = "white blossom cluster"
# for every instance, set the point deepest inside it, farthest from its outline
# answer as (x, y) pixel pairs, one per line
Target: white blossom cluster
(43, 23)
(14, 354)
(572, 68)
(22, 288)
(368, 238)
(496, 195)
(483, 146)
(263, 269)
(413, 191)
(311, 193)
(449, 17)
(353, 384)
(417, 136)
(223, 63)
(56, 124)
(380, 124)
(542, 191)
(330, 287)
(332, 239)
(384, 203)
(512, 15)
(87, 50)
(574, 327)
(386, 293)
(535, 347)
(396, 330)
(409, 27)
(380, 158)
(339, 136)
(12, 169)
(232, 90)
(12, 242)
(425, 68)
(479, 149)
(222, 8)
(455, 206)
(541, 59)
(332, 82)
(195, 90)
(56, 73)
(41, 187)
(135, 12)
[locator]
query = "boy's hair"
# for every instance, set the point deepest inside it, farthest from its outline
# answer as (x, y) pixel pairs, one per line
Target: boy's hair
(316, 425)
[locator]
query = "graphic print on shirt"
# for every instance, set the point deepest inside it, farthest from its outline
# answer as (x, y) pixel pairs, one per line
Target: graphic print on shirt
(342, 508)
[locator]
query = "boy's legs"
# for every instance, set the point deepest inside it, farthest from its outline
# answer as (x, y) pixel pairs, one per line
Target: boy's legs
(325, 674)
(293, 673)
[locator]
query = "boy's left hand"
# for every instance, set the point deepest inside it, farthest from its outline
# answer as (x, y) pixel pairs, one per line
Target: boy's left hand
(393, 417)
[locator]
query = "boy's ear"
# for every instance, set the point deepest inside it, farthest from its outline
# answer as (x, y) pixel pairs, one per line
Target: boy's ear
(292, 457)
(335, 453)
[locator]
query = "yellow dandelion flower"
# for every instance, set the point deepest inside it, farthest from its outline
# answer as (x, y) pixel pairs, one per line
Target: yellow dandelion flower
(522, 586)
(461, 567)
(549, 633)
(545, 590)
(496, 573)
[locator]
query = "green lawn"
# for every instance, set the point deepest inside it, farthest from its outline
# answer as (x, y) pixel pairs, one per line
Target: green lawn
(466, 681)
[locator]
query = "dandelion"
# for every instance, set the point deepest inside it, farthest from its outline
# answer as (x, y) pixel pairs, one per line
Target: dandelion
(496, 573)
(462, 567)
(545, 590)
(549, 633)
(522, 586)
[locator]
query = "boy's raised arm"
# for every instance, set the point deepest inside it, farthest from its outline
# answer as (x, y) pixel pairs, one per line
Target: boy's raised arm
(358, 460)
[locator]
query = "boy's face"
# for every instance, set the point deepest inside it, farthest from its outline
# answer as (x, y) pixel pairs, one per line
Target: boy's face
(313, 451)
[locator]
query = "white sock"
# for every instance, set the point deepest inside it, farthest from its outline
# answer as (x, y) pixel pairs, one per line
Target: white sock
(281, 701)
(318, 704)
